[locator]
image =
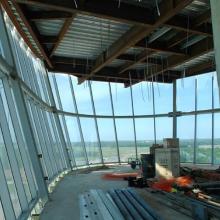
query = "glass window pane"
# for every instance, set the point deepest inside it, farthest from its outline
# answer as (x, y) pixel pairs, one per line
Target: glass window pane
(1, 50)
(83, 98)
(26, 159)
(77, 146)
(163, 96)
(204, 91)
(216, 91)
(185, 133)
(121, 99)
(204, 138)
(217, 138)
(53, 88)
(16, 146)
(2, 217)
(125, 132)
(164, 128)
(65, 92)
(186, 94)
(101, 96)
(90, 138)
(107, 138)
(9, 176)
(38, 141)
(144, 134)
(142, 98)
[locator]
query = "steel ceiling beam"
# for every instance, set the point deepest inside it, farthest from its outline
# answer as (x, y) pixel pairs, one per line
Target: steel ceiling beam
(168, 8)
(48, 15)
(203, 47)
(131, 14)
(18, 26)
(62, 33)
(85, 62)
(31, 31)
(198, 21)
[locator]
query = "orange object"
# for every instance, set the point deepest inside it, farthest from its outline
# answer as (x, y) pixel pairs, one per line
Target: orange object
(167, 184)
(119, 176)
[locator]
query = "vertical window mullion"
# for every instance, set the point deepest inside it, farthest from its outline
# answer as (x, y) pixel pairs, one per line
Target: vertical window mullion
(5, 196)
(19, 136)
(13, 158)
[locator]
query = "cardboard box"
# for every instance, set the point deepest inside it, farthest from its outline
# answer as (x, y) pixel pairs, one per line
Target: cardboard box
(167, 162)
(171, 142)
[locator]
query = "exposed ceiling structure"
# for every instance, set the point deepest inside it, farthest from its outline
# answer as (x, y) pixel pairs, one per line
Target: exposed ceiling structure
(125, 41)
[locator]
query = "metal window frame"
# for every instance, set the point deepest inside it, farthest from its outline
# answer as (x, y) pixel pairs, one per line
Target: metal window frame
(63, 120)
(78, 120)
(114, 123)
(154, 115)
(12, 158)
(57, 123)
(133, 120)
(96, 123)
(5, 196)
(174, 110)
(42, 144)
(19, 137)
(213, 121)
(22, 111)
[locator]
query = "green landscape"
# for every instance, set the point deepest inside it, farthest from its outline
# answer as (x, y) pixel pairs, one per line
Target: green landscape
(127, 150)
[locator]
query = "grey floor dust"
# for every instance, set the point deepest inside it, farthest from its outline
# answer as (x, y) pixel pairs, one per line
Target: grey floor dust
(64, 205)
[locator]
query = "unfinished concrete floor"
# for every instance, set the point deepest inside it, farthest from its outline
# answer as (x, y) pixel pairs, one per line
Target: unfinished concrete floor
(63, 204)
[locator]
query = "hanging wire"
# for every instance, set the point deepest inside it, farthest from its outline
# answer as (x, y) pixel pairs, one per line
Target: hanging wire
(157, 6)
(74, 62)
(187, 34)
(130, 80)
(119, 3)
(75, 4)
(109, 31)
(183, 76)
(142, 92)
(101, 39)
(186, 51)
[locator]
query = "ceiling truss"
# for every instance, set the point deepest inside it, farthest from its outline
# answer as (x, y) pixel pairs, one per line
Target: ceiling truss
(148, 28)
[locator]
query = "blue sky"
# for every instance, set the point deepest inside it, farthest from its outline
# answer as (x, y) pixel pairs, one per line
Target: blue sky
(142, 94)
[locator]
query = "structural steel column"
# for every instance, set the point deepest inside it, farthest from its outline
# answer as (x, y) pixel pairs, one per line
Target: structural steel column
(174, 111)
(215, 6)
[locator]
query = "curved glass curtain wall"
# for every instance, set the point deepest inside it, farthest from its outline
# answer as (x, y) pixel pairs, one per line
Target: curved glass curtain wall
(33, 149)
(50, 125)
(113, 121)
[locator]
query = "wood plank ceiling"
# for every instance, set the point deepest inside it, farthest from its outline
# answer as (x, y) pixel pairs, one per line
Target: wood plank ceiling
(126, 41)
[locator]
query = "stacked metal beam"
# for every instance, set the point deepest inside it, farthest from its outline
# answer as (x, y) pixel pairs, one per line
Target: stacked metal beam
(115, 205)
